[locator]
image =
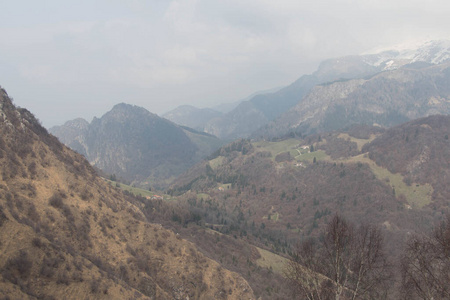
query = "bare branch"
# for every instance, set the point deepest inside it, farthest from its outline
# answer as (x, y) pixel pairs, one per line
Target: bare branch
(349, 263)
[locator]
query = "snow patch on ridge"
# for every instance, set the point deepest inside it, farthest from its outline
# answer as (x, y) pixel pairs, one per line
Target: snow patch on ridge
(433, 52)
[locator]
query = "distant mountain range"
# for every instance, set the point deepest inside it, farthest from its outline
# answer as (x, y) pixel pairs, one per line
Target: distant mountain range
(387, 88)
(322, 148)
(383, 89)
(136, 145)
(190, 116)
(387, 98)
(260, 109)
(202, 118)
(432, 52)
(293, 108)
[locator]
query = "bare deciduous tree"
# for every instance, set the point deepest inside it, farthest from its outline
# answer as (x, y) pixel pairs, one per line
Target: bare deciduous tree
(348, 263)
(425, 265)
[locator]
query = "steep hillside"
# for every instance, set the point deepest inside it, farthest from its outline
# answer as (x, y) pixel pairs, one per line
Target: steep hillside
(388, 98)
(241, 121)
(283, 191)
(419, 151)
(133, 143)
(271, 188)
(66, 234)
(73, 134)
(205, 143)
(136, 145)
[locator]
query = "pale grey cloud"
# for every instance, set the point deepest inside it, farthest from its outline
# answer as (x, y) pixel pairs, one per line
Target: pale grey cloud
(64, 59)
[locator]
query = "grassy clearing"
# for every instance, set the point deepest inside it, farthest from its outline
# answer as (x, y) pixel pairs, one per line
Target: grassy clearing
(417, 195)
(274, 217)
(211, 231)
(271, 261)
(202, 196)
(291, 146)
(216, 162)
(134, 190)
(278, 147)
(138, 191)
(319, 155)
(225, 186)
(359, 142)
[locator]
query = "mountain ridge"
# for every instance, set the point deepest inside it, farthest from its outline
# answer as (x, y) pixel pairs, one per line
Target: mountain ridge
(387, 98)
(66, 233)
(137, 145)
(190, 116)
(260, 110)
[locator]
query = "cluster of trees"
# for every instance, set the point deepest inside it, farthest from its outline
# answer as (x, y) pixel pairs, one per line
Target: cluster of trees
(425, 266)
(349, 262)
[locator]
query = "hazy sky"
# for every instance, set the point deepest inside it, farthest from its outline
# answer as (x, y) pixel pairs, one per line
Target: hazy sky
(63, 59)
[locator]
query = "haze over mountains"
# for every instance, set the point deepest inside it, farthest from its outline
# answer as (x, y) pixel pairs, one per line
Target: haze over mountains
(251, 115)
(302, 154)
(339, 150)
(136, 145)
(383, 89)
(387, 98)
(191, 116)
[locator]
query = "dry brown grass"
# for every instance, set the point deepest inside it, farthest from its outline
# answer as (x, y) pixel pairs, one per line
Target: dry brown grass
(66, 233)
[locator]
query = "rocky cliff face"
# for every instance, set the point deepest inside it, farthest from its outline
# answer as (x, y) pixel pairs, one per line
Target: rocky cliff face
(134, 144)
(73, 134)
(388, 98)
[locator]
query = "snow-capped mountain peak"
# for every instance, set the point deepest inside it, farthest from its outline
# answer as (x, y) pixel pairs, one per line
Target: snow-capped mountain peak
(433, 52)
